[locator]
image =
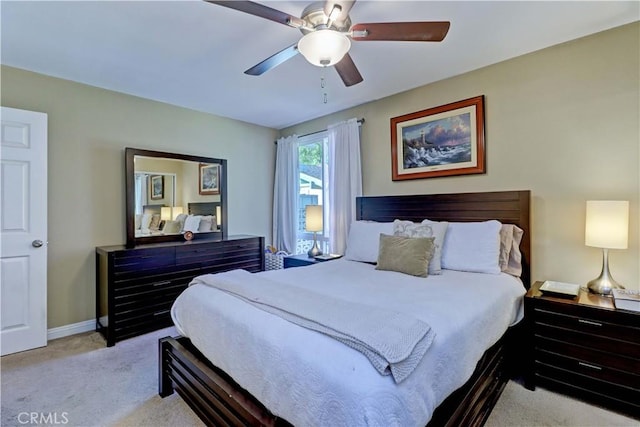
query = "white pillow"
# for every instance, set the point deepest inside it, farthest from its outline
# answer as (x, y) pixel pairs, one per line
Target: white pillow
(425, 229)
(472, 246)
(364, 240)
(191, 223)
(145, 222)
(205, 223)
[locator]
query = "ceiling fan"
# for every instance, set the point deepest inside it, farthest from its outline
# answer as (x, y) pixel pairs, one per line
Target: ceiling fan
(328, 32)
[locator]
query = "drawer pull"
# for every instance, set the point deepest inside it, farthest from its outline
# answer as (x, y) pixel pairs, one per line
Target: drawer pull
(587, 365)
(589, 322)
(166, 282)
(160, 313)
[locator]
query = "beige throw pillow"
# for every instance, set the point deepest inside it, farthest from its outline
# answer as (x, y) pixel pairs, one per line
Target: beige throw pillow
(408, 255)
(426, 228)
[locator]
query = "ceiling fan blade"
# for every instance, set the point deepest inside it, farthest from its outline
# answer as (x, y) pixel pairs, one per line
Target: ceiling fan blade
(345, 5)
(261, 11)
(348, 71)
(273, 61)
(401, 31)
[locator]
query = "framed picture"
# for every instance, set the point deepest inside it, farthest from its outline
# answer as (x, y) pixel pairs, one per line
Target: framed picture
(209, 179)
(440, 141)
(156, 187)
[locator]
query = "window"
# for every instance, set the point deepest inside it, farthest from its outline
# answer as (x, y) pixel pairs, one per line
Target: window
(312, 160)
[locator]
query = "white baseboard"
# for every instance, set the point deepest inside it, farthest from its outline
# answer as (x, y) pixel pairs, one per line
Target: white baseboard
(74, 328)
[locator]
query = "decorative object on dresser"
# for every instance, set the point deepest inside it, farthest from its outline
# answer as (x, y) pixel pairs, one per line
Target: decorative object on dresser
(314, 223)
(135, 288)
(585, 348)
(607, 227)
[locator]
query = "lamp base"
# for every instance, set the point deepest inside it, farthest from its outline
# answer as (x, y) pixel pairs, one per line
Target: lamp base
(604, 284)
(315, 250)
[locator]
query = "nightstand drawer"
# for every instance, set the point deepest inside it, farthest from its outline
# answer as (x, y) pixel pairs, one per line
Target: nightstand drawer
(617, 394)
(589, 324)
(577, 338)
(598, 366)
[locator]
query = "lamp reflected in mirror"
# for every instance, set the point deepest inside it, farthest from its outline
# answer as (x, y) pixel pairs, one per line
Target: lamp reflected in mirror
(169, 213)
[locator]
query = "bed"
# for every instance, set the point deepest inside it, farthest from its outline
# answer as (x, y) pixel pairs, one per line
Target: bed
(219, 400)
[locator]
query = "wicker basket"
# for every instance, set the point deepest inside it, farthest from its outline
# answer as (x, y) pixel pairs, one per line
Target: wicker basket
(274, 261)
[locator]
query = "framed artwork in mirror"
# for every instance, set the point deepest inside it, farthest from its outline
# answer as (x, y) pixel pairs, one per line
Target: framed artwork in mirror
(441, 141)
(156, 187)
(209, 181)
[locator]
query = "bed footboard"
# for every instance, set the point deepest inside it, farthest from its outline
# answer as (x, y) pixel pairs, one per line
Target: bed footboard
(220, 401)
(212, 394)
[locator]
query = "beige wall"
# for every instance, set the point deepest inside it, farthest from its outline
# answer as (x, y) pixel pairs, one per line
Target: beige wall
(562, 122)
(88, 131)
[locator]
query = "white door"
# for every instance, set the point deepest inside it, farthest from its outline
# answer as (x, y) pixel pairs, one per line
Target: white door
(23, 230)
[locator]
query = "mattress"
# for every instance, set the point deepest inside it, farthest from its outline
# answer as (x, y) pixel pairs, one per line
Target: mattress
(310, 379)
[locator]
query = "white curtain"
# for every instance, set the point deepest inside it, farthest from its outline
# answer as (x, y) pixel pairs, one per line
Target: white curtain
(285, 195)
(141, 184)
(345, 181)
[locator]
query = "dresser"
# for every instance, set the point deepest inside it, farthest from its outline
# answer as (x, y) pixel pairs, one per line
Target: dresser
(584, 347)
(136, 287)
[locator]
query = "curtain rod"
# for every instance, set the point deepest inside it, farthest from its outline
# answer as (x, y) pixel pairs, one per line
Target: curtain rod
(360, 122)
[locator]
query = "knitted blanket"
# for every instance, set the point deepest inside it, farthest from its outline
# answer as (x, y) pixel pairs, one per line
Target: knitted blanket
(393, 342)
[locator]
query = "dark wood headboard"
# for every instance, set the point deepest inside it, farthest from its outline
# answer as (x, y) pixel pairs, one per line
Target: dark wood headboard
(508, 207)
(203, 208)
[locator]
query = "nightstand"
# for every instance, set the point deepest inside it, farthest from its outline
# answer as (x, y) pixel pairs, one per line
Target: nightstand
(584, 347)
(302, 260)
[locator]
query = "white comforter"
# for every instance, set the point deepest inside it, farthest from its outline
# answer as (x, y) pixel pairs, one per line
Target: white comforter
(313, 380)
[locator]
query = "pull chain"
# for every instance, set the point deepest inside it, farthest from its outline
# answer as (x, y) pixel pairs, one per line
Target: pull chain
(323, 84)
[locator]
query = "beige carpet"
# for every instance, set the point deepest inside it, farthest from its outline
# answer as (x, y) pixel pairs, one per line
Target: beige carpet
(77, 381)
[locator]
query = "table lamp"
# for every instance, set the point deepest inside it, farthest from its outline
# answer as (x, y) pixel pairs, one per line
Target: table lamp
(313, 223)
(607, 227)
(165, 213)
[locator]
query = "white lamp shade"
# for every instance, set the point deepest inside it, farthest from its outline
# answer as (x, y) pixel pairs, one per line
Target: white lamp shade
(607, 224)
(177, 210)
(218, 215)
(324, 48)
(165, 213)
(314, 218)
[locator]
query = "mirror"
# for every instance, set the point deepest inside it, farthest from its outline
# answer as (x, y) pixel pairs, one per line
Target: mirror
(169, 194)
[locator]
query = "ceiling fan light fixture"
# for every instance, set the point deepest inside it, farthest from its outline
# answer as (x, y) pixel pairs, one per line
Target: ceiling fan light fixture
(324, 48)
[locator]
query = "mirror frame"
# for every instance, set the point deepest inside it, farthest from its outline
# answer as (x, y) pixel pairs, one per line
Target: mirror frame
(130, 208)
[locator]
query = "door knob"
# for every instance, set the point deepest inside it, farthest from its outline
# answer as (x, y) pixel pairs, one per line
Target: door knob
(37, 243)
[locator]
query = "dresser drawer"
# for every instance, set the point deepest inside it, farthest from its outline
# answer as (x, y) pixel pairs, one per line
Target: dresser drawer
(124, 285)
(591, 324)
(142, 293)
(152, 308)
(209, 253)
(138, 260)
(600, 366)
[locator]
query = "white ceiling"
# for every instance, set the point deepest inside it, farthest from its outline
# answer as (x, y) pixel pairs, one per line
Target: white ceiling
(193, 54)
